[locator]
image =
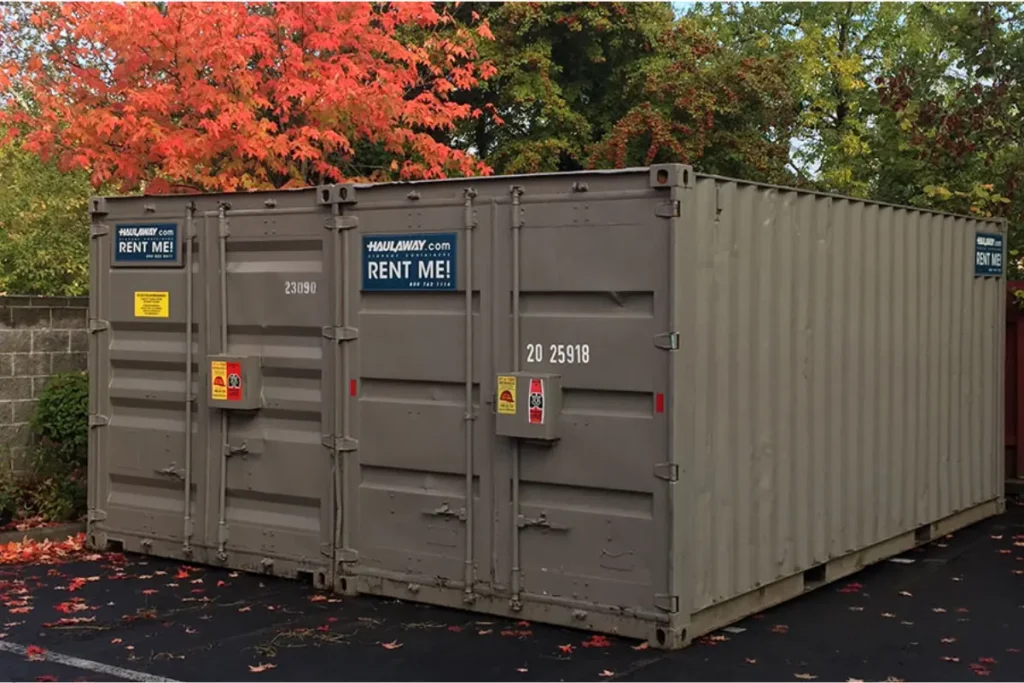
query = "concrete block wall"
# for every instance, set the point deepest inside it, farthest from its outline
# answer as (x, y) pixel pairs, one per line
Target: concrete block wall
(39, 337)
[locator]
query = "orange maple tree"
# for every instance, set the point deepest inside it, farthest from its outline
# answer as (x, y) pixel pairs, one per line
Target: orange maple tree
(235, 96)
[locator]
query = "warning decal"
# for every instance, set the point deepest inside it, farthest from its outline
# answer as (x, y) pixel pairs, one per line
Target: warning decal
(506, 395)
(152, 304)
(219, 380)
(536, 401)
(234, 371)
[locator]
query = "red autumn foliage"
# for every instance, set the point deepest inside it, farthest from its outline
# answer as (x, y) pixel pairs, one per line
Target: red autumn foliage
(41, 552)
(235, 96)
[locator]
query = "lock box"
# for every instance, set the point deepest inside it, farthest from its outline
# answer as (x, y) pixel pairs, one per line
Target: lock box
(236, 382)
(529, 405)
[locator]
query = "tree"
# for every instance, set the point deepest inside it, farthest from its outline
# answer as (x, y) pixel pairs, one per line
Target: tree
(563, 70)
(698, 101)
(44, 226)
(228, 96)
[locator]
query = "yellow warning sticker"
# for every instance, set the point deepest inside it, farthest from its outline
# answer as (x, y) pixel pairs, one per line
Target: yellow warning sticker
(506, 395)
(219, 380)
(152, 304)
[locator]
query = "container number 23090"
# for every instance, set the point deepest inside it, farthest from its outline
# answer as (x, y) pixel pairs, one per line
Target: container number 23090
(558, 354)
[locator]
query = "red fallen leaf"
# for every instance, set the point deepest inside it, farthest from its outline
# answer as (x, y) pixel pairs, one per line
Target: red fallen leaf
(393, 645)
(962, 610)
(150, 591)
(69, 621)
(515, 633)
(196, 581)
(780, 628)
(851, 588)
(182, 574)
(485, 632)
(642, 646)
(116, 641)
(597, 640)
(950, 659)
(318, 598)
(221, 584)
(331, 620)
(260, 668)
(41, 552)
(1005, 552)
(76, 584)
(324, 629)
(566, 649)
(987, 660)
(35, 653)
(718, 639)
(523, 624)
(20, 610)
(606, 673)
(455, 629)
(197, 591)
(47, 677)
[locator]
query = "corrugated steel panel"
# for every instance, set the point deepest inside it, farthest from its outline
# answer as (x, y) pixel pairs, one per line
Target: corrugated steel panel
(846, 384)
(744, 385)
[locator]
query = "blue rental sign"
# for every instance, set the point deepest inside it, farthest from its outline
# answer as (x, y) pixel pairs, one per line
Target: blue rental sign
(409, 263)
(146, 244)
(988, 254)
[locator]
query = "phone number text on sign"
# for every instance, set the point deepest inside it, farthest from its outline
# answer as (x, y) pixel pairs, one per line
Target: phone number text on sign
(558, 354)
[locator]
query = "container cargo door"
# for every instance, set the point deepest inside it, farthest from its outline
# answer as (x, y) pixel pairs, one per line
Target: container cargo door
(145, 456)
(268, 387)
(582, 421)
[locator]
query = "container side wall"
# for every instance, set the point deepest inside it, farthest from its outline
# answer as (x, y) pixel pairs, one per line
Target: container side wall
(846, 380)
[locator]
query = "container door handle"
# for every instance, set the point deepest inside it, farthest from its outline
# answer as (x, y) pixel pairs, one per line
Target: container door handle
(541, 521)
(446, 511)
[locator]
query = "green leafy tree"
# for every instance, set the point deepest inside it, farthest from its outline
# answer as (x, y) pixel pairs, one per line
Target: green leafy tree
(563, 71)
(44, 226)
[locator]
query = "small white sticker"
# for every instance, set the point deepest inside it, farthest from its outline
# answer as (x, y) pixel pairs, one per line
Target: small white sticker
(300, 287)
(558, 354)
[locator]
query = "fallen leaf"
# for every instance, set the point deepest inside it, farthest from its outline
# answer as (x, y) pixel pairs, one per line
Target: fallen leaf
(150, 591)
(522, 670)
(962, 610)
(906, 594)
(950, 659)
(856, 609)
(997, 538)
(455, 629)
(182, 574)
(129, 647)
(116, 641)
(606, 674)
(805, 677)
(160, 573)
(907, 623)
(485, 632)
(35, 653)
(948, 640)
(1005, 552)
(751, 660)
(718, 639)
(854, 680)
(523, 624)
(393, 645)
(233, 575)
(331, 620)
(938, 610)
(46, 677)
(987, 660)
(1013, 649)
(324, 629)
(20, 610)
(642, 646)
(893, 679)
(888, 615)
(318, 598)
(851, 588)
(245, 609)
(144, 577)
(567, 649)
(189, 630)
(221, 584)
(597, 640)
(780, 628)
(260, 668)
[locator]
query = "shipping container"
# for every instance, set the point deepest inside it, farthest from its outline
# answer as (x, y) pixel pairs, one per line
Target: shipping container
(646, 402)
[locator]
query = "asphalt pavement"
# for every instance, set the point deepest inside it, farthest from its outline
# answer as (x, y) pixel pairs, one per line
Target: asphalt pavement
(953, 610)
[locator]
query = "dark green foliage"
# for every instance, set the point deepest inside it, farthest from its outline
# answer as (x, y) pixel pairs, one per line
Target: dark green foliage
(61, 420)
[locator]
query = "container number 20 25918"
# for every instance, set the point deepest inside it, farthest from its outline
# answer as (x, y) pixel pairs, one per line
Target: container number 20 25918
(558, 354)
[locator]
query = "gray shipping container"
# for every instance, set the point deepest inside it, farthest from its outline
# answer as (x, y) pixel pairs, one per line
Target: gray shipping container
(644, 402)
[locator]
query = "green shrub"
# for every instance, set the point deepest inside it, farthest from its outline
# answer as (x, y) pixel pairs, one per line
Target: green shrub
(61, 420)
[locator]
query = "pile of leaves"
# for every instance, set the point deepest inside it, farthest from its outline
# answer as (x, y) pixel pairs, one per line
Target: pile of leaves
(42, 552)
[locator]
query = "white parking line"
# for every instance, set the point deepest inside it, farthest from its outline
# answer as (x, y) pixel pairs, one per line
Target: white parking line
(86, 664)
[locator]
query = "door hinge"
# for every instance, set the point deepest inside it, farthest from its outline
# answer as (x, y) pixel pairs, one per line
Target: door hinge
(99, 230)
(669, 341)
(669, 209)
(341, 444)
(96, 515)
(98, 420)
(96, 325)
(666, 602)
(342, 223)
(341, 334)
(669, 471)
